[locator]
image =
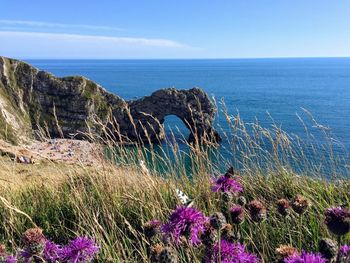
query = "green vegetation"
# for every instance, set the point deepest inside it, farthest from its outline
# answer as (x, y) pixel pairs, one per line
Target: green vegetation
(90, 90)
(7, 133)
(93, 93)
(11, 97)
(112, 202)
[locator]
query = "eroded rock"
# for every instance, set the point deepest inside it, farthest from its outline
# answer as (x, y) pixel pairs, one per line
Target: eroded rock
(192, 106)
(34, 103)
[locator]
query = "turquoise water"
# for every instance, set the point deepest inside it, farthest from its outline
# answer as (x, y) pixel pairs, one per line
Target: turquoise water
(252, 87)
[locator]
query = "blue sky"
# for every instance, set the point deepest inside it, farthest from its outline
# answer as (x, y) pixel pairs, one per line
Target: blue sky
(174, 29)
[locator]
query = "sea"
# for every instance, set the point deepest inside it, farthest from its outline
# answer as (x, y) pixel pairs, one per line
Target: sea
(279, 91)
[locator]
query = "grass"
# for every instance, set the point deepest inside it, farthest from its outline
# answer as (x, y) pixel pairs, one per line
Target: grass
(112, 202)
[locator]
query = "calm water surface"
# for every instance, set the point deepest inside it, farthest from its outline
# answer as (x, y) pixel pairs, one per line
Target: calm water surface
(252, 87)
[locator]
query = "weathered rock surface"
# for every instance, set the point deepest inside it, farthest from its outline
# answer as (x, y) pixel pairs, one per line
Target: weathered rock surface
(34, 102)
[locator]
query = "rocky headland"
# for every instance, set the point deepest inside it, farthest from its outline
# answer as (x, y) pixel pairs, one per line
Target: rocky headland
(35, 103)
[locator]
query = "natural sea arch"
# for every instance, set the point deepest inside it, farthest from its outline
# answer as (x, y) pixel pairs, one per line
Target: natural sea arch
(175, 128)
(193, 107)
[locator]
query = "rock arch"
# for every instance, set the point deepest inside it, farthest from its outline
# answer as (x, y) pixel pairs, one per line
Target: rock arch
(192, 106)
(173, 125)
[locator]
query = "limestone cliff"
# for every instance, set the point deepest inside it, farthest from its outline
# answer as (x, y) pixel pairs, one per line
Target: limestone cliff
(34, 102)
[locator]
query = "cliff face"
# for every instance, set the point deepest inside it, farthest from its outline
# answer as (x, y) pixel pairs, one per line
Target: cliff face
(34, 102)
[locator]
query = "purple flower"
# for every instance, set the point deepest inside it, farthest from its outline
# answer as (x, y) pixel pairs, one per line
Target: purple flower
(344, 250)
(305, 258)
(185, 221)
(237, 214)
(10, 259)
(344, 253)
(226, 184)
(230, 253)
(80, 249)
(51, 252)
(25, 255)
(338, 220)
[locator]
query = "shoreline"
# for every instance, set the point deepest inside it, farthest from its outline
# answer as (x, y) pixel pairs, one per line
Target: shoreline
(69, 151)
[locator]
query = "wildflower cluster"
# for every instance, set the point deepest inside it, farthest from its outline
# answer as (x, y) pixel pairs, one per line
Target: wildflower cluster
(191, 235)
(39, 249)
(217, 236)
(188, 226)
(328, 252)
(337, 221)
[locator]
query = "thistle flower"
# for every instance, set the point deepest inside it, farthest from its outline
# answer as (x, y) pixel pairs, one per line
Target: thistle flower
(338, 220)
(257, 211)
(236, 214)
(328, 248)
(227, 197)
(25, 255)
(227, 252)
(51, 252)
(185, 221)
(285, 251)
(33, 235)
(155, 251)
(151, 228)
(283, 207)
(344, 253)
(209, 235)
(34, 242)
(10, 259)
(228, 234)
(80, 249)
(305, 258)
(344, 250)
(217, 220)
(300, 204)
(242, 201)
(226, 183)
(168, 255)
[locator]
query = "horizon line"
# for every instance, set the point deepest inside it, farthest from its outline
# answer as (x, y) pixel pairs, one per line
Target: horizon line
(184, 58)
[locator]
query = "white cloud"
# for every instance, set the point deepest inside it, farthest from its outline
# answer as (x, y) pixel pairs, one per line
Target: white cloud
(39, 24)
(59, 45)
(75, 37)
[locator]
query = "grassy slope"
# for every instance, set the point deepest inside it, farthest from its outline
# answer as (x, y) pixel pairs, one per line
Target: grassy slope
(11, 96)
(111, 203)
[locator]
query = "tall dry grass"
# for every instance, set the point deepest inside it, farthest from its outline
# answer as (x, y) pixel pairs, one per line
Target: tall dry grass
(111, 202)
